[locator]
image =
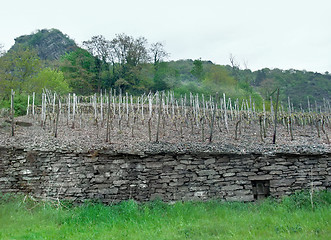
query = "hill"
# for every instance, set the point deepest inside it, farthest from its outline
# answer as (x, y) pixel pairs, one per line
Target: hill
(299, 85)
(50, 44)
(87, 71)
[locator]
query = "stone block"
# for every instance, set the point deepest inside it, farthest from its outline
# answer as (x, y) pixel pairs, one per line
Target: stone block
(180, 167)
(140, 167)
(186, 162)
(25, 171)
(73, 191)
(29, 179)
(231, 187)
(206, 172)
(99, 179)
(106, 191)
(245, 174)
(7, 179)
(244, 198)
(16, 165)
(274, 168)
(118, 161)
(260, 177)
(230, 174)
(154, 164)
(210, 161)
(281, 182)
(120, 182)
(200, 179)
(198, 188)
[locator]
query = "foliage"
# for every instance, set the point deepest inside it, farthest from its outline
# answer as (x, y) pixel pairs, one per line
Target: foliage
(26, 218)
(121, 62)
(47, 78)
(298, 85)
(197, 70)
(79, 68)
(304, 200)
(20, 104)
(165, 78)
(218, 79)
(17, 67)
(138, 67)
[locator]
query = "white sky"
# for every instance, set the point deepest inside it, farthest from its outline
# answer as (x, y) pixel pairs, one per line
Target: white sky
(263, 33)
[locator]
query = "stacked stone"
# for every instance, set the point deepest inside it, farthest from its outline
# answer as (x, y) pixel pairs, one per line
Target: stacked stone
(110, 176)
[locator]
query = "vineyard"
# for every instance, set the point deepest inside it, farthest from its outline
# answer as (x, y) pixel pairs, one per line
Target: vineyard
(119, 118)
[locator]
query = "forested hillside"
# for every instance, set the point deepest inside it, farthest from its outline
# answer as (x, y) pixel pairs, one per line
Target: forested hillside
(50, 59)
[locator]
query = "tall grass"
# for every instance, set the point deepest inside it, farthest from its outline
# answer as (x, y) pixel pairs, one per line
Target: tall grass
(291, 218)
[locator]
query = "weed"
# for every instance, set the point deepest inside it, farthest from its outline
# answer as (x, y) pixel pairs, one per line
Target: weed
(24, 217)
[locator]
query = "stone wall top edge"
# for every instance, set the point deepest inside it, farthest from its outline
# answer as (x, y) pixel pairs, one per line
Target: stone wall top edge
(201, 151)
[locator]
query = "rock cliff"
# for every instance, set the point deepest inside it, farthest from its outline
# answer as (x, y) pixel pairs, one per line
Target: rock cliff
(50, 44)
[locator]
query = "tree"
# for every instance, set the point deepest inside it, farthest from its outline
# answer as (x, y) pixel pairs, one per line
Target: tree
(128, 54)
(50, 79)
(165, 78)
(128, 50)
(261, 75)
(80, 71)
(197, 70)
(235, 66)
(99, 47)
(267, 86)
(217, 79)
(158, 53)
(17, 67)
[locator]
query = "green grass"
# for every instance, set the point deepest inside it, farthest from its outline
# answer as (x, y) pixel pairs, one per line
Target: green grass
(291, 218)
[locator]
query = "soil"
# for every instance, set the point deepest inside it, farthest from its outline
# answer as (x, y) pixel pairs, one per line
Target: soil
(132, 137)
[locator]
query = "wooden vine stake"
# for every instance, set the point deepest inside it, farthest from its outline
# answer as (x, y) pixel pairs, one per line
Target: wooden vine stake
(27, 108)
(225, 114)
(213, 120)
(57, 118)
(150, 129)
(74, 103)
(33, 96)
(275, 123)
(290, 119)
(323, 129)
(108, 118)
(158, 120)
(68, 103)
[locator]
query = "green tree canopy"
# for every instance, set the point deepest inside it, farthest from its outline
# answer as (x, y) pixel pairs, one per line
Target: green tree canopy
(80, 71)
(197, 70)
(50, 79)
(17, 67)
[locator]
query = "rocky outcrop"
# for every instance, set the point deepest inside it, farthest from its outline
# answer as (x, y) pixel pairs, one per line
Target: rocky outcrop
(50, 44)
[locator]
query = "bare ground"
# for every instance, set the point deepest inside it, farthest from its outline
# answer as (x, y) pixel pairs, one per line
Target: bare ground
(132, 136)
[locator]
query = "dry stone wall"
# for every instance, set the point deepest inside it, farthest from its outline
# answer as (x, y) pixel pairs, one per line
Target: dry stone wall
(112, 176)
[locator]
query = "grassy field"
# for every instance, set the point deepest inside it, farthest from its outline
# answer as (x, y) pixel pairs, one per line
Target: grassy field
(291, 218)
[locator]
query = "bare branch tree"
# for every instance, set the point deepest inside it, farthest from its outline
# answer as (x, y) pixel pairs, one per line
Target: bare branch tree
(99, 47)
(158, 53)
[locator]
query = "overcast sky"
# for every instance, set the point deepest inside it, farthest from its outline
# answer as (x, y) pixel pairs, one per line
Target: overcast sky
(261, 33)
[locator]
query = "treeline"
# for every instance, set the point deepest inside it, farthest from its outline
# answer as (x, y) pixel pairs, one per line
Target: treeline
(135, 66)
(125, 63)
